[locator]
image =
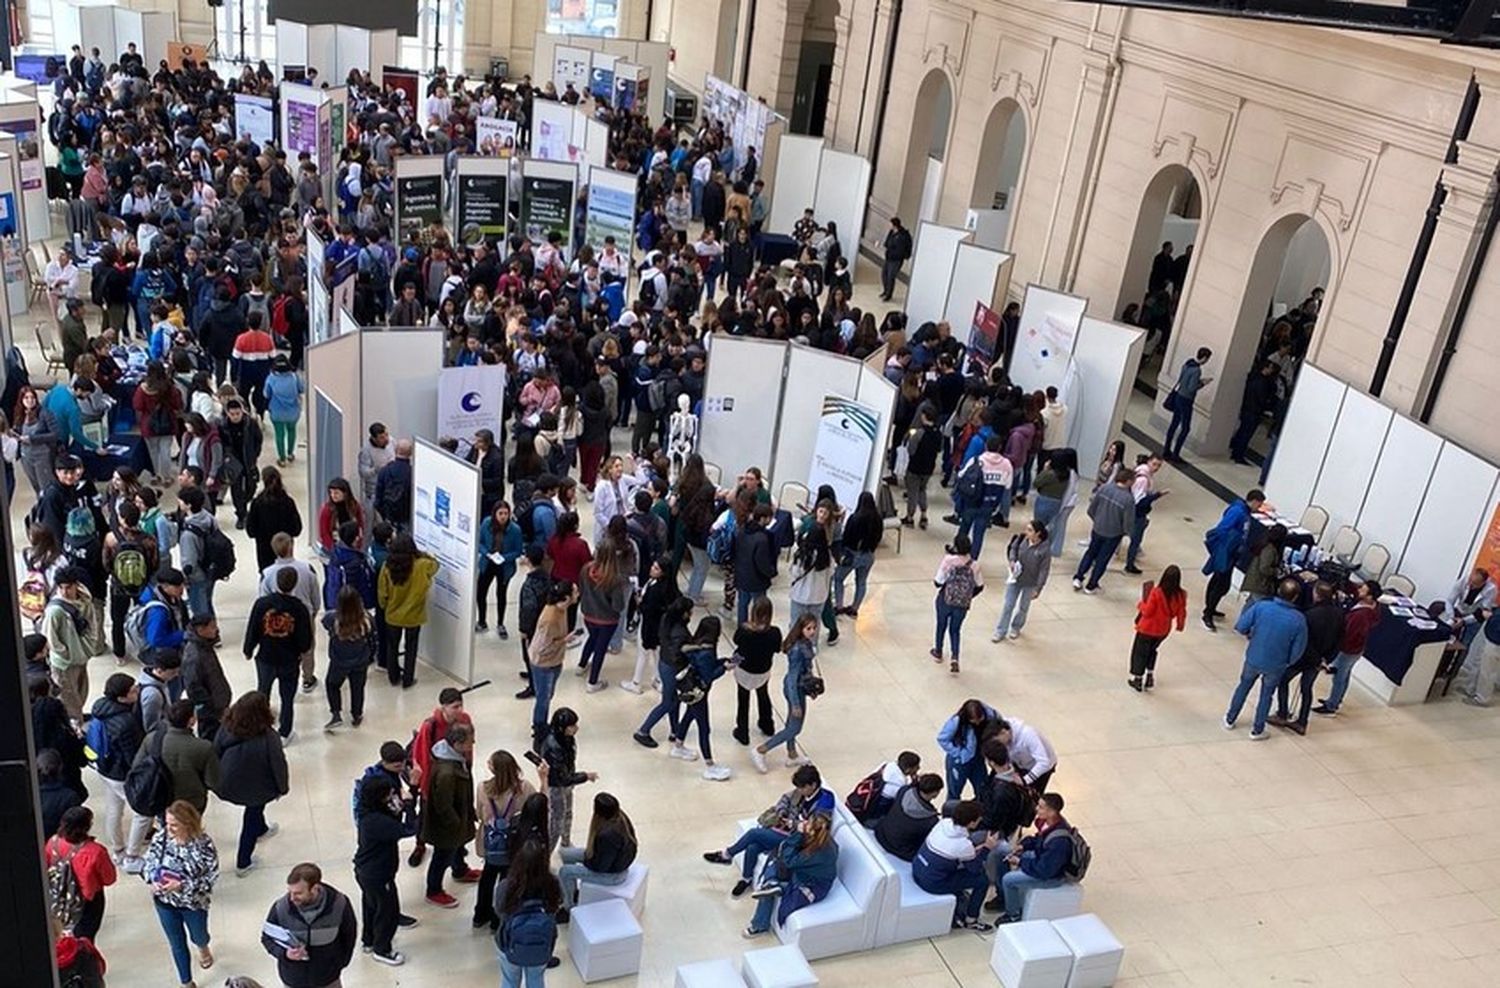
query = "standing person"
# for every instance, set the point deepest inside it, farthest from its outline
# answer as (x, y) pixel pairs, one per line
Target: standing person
(115, 733)
(560, 751)
(983, 488)
(1278, 637)
(1224, 542)
(373, 457)
(673, 636)
(958, 581)
(862, 534)
(157, 404)
(321, 926)
(798, 686)
(704, 667)
(658, 593)
(1359, 621)
(812, 575)
(277, 632)
(202, 675)
(199, 566)
(500, 545)
(606, 857)
(402, 591)
(1162, 605)
(603, 589)
(73, 847)
(306, 591)
(526, 905)
(38, 435)
(897, 246)
(1481, 667)
(1325, 630)
(272, 511)
(283, 391)
(803, 873)
(756, 643)
(377, 859)
(1265, 564)
(448, 810)
(241, 440)
(1180, 399)
(1029, 558)
(923, 447)
(1112, 509)
(73, 636)
(960, 737)
(548, 647)
(190, 759)
(1143, 490)
(181, 867)
(131, 557)
(529, 604)
(252, 771)
(499, 804)
(352, 647)
(1057, 496)
(754, 560)
(694, 508)
(1259, 398)
(570, 556)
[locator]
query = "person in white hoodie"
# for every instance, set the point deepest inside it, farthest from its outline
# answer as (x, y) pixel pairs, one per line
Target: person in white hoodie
(952, 863)
(1054, 425)
(1032, 754)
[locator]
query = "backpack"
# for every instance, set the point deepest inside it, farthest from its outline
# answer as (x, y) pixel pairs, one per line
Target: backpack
(865, 799)
(129, 568)
(356, 573)
(64, 897)
(81, 536)
(721, 538)
(527, 520)
(958, 589)
(96, 739)
(33, 594)
(528, 935)
(148, 784)
(160, 419)
(648, 296)
(497, 835)
(135, 627)
(1081, 855)
(557, 459)
(656, 394)
(970, 483)
(280, 323)
(217, 555)
(395, 496)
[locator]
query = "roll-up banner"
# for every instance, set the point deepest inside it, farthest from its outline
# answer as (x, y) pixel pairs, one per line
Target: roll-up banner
(602, 76)
(548, 189)
(299, 121)
(419, 195)
(632, 84)
(846, 439)
(469, 399)
(495, 137)
(480, 202)
(255, 118)
(445, 525)
(610, 211)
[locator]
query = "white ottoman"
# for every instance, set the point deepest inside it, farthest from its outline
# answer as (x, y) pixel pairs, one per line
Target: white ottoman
(604, 940)
(1030, 955)
(1096, 952)
(709, 974)
(777, 967)
(1059, 903)
(632, 891)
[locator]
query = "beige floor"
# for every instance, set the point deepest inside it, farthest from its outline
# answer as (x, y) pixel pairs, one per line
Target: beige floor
(1364, 854)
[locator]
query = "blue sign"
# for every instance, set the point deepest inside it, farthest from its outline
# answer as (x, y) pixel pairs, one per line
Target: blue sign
(443, 508)
(602, 82)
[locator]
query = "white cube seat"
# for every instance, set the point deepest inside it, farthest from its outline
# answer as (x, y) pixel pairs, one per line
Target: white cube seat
(1055, 903)
(718, 973)
(632, 891)
(777, 967)
(1097, 953)
(604, 940)
(1030, 955)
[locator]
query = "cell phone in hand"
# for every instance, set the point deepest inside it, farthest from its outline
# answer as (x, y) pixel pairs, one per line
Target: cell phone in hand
(533, 758)
(1146, 588)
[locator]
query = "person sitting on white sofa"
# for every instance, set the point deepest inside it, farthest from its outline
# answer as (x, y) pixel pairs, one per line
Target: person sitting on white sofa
(950, 863)
(905, 827)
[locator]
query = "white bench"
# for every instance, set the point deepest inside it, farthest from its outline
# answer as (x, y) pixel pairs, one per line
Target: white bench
(1097, 954)
(709, 974)
(604, 940)
(1030, 955)
(632, 891)
(1055, 903)
(908, 912)
(777, 967)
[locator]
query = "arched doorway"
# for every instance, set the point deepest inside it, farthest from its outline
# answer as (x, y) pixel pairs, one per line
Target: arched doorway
(998, 174)
(1160, 255)
(1277, 319)
(815, 68)
(922, 180)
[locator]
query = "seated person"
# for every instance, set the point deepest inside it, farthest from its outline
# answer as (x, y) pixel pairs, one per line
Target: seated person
(876, 792)
(950, 863)
(1042, 861)
(807, 798)
(802, 873)
(607, 856)
(905, 826)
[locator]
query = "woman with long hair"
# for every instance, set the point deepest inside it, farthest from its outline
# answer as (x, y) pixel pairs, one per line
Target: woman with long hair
(603, 589)
(525, 466)
(340, 506)
(252, 770)
(90, 861)
(42, 557)
(157, 404)
(500, 546)
(703, 667)
(805, 867)
(181, 867)
(202, 448)
(960, 738)
(560, 751)
(500, 800)
(694, 509)
(812, 575)
(530, 888)
(1028, 559)
(377, 860)
(1162, 605)
(862, 534)
(37, 433)
(1265, 565)
(271, 511)
(660, 590)
(606, 857)
(756, 643)
(800, 647)
(401, 591)
(352, 648)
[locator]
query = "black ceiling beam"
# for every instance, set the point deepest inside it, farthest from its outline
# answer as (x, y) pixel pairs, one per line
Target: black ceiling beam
(1464, 22)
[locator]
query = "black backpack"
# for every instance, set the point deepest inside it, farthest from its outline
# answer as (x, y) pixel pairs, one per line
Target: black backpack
(217, 555)
(148, 784)
(865, 799)
(648, 292)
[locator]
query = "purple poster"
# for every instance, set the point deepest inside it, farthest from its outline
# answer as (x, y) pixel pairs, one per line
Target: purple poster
(301, 128)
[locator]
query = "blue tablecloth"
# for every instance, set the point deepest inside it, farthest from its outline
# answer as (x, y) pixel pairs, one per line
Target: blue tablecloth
(1393, 641)
(99, 466)
(777, 247)
(122, 416)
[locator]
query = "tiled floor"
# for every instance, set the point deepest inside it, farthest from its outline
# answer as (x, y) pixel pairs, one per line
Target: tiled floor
(1364, 854)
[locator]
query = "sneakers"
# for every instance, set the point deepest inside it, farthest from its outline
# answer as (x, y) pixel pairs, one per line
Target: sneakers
(953, 667)
(757, 758)
(404, 922)
(740, 888)
(1090, 590)
(480, 628)
(750, 933)
(798, 761)
(1134, 570)
(132, 866)
(1150, 680)
(1208, 624)
(720, 858)
(417, 856)
(997, 638)
(977, 925)
(1325, 710)
(502, 633)
(937, 654)
(272, 829)
(309, 683)
(645, 740)
(1077, 584)
(1133, 683)
(631, 686)
(683, 752)
(334, 721)
(1228, 724)
(395, 958)
(357, 720)
(1014, 634)
(833, 640)
(743, 737)
(242, 872)
(768, 889)
(562, 916)
(469, 877)
(443, 900)
(602, 684)
(525, 694)
(581, 670)
(1259, 735)
(717, 773)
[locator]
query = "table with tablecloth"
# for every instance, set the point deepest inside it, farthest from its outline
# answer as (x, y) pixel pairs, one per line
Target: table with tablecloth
(122, 416)
(1394, 640)
(777, 247)
(100, 465)
(1296, 535)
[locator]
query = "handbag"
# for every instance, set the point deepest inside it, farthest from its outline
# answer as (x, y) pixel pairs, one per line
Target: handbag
(811, 684)
(1171, 401)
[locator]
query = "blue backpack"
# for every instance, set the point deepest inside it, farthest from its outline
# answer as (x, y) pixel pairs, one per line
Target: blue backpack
(528, 935)
(96, 739)
(497, 835)
(356, 573)
(721, 539)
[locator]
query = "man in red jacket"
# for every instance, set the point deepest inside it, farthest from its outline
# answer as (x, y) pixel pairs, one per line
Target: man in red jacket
(1358, 623)
(449, 711)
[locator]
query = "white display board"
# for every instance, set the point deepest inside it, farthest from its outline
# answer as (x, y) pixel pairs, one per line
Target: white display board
(1353, 451)
(20, 117)
(1451, 518)
(877, 393)
(810, 376)
(979, 275)
(843, 194)
(655, 56)
(323, 51)
(328, 371)
(291, 43)
(595, 140)
(797, 163)
(12, 242)
(469, 399)
(1105, 360)
(400, 369)
(741, 398)
(319, 310)
(1045, 338)
(552, 132)
(299, 123)
(445, 525)
(255, 118)
(1406, 462)
(570, 66)
(842, 450)
(935, 251)
(610, 211)
(1300, 453)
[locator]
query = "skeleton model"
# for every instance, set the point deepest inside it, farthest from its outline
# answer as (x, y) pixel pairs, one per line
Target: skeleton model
(682, 436)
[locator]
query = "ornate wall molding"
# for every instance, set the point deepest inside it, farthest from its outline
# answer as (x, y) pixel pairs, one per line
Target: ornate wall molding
(1020, 68)
(946, 39)
(1195, 121)
(1327, 170)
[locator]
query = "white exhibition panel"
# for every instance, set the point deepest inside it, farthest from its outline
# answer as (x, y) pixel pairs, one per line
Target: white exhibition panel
(797, 165)
(383, 46)
(1353, 452)
(1452, 516)
(1046, 337)
(979, 275)
(1304, 440)
(933, 256)
(842, 194)
(97, 28)
(880, 394)
(17, 289)
(17, 106)
(351, 49)
(1105, 359)
(329, 366)
(1406, 462)
(552, 131)
(158, 29)
(291, 43)
(400, 369)
(445, 525)
(741, 396)
(323, 51)
(655, 55)
(596, 141)
(810, 375)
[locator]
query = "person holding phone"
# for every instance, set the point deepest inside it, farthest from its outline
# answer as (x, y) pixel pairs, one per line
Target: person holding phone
(181, 867)
(560, 751)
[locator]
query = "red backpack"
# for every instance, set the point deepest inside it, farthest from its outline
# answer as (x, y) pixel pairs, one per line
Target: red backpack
(280, 323)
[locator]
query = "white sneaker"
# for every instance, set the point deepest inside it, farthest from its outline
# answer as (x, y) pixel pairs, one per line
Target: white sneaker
(602, 684)
(1077, 584)
(132, 866)
(684, 752)
(1014, 635)
(996, 638)
(272, 829)
(1228, 724)
(631, 686)
(1259, 735)
(581, 671)
(395, 958)
(242, 872)
(759, 761)
(717, 773)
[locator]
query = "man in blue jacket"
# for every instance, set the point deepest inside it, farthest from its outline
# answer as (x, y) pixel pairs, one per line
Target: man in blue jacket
(1224, 542)
(951, 863)
(1278, 637)
(1042, 861)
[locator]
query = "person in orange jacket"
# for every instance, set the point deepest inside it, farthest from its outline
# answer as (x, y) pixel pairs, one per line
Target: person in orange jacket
(1162, 605)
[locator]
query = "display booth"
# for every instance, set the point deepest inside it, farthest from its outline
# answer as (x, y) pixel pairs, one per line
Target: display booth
(610, 211)
(808, 174)
(307, 127)
(481, 199)
(13, 240)
(445, 525)
(1046, 337)
(548, 190)
(933, 257)
(109, 27)
(560, 58)
(754, 392)
(980, 276)
(335, 49)
(21, 118)
(749, 122)
(1098, 385)
(557, 132)
(418, 200)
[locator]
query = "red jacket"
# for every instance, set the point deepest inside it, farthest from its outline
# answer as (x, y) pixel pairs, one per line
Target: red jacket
(1357, 626)
(327, 536)
(91, 865)
(569, 556)
(1156, 614)
(431, 731)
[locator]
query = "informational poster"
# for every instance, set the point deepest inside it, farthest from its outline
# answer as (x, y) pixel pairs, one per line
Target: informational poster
(319, 310)
(984, 332)
(602, 76)
(552, 137)
(405, 80)
(632, 83)
(445, 525)
(255, 118)
(301, 123)
(180, 53)
(29, 150)
(470, 398)
(481, 206)
(570, 66)
(419, 194)
(1045, 338)
(7, 215)
(325, 137)
(495, 137)
(316, 263)
(845, 444)
(547, 192)
(338, 117)
(610, 211)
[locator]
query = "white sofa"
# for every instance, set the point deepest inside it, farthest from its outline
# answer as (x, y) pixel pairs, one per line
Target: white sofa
(908, 913)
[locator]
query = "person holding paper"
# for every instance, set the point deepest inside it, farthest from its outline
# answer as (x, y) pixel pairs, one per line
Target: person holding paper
(182, 866)
(311, 931)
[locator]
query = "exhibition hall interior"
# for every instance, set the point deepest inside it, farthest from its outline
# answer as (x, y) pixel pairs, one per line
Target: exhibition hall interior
(713, 493)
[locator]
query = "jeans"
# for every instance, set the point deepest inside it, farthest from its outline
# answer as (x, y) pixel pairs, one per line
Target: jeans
(1137, 534)
(1045, 508)
(334, 684)
(573, 871)
(1017, 599)
(888, 272)
(1306, 674)
(858, 563)
(951, 619)
(200, 597)
(975, 522)
(1096, 558)
(401, 665)
(285, 676)
(789, 732)
(595, 647)
(1058, 531)
(180, 925)
(957, 773)
(162, 465)
(916, 493)
(380, 909)
(444, 859)
(700, 572)
(1182, 424)
(667, 705)
(968, 886)
(252, 828)
(1343, 668)
(1248, 675)
(753, 843)
(698, 713)
(1015, 885)
(543, 683)
(512, 974)
(743, 602)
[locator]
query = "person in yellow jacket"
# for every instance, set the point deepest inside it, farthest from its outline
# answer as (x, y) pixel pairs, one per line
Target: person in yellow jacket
(402, 593)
